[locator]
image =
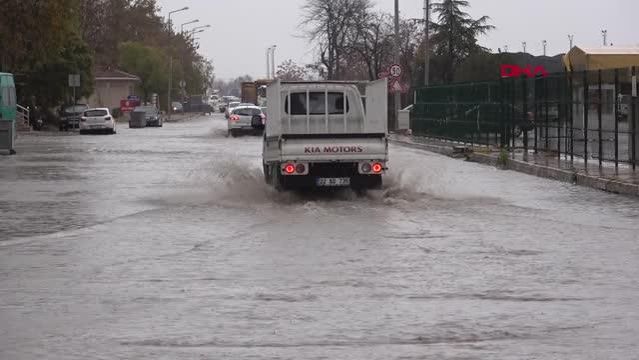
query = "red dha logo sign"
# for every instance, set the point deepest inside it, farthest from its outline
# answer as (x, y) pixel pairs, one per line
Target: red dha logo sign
(518, 71)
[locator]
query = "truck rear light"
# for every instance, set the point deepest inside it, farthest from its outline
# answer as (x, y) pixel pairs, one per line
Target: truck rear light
(300, 168)
(377, 168)
(366, 168)
(289, 168)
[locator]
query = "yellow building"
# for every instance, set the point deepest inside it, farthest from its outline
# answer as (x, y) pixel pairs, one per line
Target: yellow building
(579, 59)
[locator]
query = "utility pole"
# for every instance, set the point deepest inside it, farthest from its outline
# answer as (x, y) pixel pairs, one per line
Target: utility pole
(273, 61)
(523, 44)
(398, 96)
(570, 38)
(544, 43)
(168, 96)
(604, 34)
(427, 42)
(268, 63)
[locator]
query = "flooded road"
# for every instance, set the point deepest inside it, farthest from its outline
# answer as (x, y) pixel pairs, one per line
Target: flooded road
(165, 244)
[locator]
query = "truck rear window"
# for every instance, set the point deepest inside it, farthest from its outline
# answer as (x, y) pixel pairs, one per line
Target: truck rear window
(316, 104)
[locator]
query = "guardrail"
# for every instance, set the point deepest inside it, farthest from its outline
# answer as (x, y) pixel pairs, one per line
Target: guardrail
(22, 117)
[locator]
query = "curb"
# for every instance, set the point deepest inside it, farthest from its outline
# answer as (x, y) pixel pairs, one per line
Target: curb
(567, 176)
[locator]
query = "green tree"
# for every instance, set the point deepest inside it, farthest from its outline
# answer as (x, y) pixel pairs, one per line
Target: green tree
(32, 32)
(481, 66)
(48, 82)
(455, 35)
(149, 63)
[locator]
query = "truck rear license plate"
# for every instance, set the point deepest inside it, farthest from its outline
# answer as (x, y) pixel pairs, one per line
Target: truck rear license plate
(333, 181)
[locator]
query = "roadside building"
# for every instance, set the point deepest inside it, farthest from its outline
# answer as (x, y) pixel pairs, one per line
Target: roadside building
(111, 86)
(609, 57)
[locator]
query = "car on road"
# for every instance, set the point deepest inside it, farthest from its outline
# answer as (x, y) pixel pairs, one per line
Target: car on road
(152, 115)
(177, 107)
(229, 108)
(97, 120)
(224, 104)
(246, 119)
(70, 116)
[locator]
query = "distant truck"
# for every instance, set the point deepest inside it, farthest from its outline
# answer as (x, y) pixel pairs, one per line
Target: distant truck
(254, 92)
(326, 134)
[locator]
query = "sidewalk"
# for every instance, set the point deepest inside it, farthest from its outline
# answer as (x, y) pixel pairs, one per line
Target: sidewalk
(621, 181)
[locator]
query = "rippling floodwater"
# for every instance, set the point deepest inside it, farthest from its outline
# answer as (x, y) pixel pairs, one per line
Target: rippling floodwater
(166, 244)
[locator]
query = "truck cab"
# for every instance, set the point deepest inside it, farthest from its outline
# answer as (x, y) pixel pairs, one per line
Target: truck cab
(326, 134)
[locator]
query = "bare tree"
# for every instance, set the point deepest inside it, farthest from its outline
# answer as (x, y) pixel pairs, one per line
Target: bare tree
(332, 25)
(290, 71)
(374, 43)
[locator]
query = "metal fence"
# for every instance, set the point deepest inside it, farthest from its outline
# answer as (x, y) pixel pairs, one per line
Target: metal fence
(592, 115)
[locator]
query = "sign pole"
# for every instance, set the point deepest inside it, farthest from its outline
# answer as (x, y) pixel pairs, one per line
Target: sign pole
(398, 97)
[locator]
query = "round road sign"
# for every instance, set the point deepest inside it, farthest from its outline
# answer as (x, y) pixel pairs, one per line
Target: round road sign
(395, 70)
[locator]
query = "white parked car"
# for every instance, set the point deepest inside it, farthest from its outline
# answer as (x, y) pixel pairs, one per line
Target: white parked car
(248, 118)
(97, 120)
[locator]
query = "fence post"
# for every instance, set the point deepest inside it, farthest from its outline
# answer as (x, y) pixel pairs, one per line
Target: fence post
(502, 116)
(571, 116)
(546, 146)
(585, 119)
(634, 119)
(560, 101)
(599, 99)
(524, 88)
(538, 80)
(616, 118)
(511, 111)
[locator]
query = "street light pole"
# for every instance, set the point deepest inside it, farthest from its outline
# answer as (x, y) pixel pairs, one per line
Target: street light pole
(398, 98)
(523, 44)
(268, 63)
(427, 43)
(273, 61)
(544, 43)
(168, 96)
(570, 38)
(182, 62)
(198, 28)
(187, 23)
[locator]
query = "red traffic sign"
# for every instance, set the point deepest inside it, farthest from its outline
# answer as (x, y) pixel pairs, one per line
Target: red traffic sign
(128, 105)
(396, 86)
(395, 70)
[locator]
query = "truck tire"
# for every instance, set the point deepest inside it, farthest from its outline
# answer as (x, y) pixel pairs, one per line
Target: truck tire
(276, 178)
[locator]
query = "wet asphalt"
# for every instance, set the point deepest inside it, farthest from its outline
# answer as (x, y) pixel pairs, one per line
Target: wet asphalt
(164, 243)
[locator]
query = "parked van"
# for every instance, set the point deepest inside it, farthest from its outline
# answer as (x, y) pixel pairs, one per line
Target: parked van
(7, 112)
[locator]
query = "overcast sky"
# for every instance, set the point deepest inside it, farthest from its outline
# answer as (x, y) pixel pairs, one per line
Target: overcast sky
(243, 29)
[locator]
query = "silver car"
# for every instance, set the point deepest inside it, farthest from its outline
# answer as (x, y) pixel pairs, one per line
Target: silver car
(246, 119)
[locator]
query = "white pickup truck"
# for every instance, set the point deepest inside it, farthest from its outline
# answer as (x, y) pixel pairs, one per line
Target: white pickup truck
(326, 134)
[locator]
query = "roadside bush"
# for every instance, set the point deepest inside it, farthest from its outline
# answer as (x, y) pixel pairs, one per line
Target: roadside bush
(116, 112)
(503, 159)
